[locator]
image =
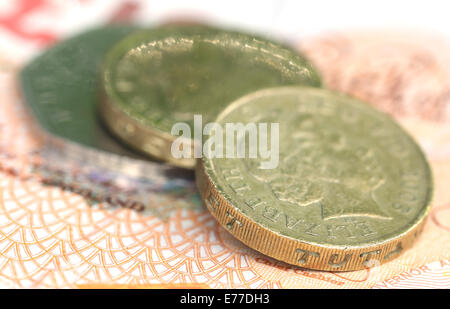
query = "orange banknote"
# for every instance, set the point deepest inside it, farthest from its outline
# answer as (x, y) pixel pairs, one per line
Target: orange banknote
(53, 236)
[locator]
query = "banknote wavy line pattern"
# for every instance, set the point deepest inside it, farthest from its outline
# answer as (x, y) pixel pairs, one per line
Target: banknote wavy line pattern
(53, 238)
(52, 233)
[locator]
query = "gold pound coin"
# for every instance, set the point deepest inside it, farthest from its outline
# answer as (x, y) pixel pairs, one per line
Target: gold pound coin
(163, 76)
(350, 189)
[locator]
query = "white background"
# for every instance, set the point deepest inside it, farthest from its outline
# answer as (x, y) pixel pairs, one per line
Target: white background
(297, 19)
(285, 19)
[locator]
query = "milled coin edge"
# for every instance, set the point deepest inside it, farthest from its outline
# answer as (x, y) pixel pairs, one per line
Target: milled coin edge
(306, 254)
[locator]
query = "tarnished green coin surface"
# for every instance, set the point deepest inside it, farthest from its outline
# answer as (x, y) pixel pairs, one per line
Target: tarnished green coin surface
(166, 75)
(351, 188)
(61, 87)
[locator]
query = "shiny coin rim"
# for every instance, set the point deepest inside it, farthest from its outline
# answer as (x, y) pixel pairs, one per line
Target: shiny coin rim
(296, 251)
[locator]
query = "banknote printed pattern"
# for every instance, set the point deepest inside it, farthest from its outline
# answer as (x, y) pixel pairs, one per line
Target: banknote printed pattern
(51, 236)
(404, 74)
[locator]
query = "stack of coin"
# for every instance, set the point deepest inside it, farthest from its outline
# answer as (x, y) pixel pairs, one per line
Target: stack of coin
(349, 189)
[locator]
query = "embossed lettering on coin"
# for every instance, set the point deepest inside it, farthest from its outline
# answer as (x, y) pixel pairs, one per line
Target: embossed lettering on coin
(350, 184)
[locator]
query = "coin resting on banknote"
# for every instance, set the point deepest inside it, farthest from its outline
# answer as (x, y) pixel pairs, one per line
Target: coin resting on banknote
(159, 77)
(351, 189)
(61, 89)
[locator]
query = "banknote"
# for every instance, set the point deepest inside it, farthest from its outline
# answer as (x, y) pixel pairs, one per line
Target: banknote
(406, 74)
(66, 223)
(53, 236)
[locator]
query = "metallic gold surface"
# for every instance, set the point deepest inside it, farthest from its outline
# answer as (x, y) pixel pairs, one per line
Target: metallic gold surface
(60, 87)
(159, 77)
(151, 142)
(351, 190)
